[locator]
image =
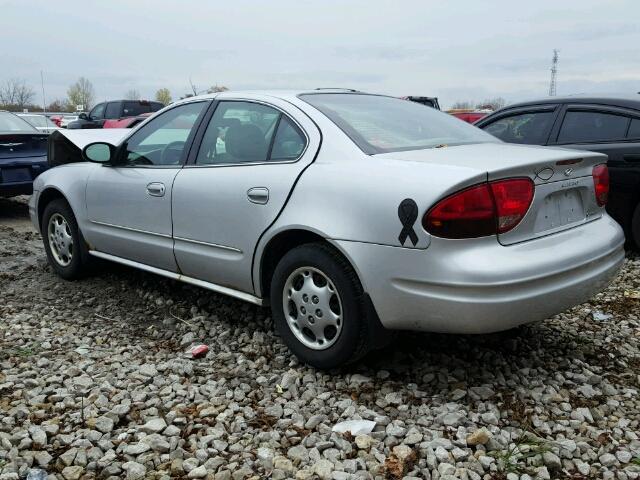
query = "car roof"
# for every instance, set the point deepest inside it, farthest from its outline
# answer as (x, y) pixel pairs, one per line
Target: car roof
(284, 94)
(614, 99)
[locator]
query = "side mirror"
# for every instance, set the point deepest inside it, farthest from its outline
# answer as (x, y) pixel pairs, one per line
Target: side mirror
(99, 152)
(83, 116)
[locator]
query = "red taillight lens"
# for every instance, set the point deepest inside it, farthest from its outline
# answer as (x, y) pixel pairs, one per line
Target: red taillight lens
(482, 210)
(513, 198)
(601, 183)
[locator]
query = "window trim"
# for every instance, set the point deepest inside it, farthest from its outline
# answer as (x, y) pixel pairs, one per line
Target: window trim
(605, 109)
(193, 154)
(188, 143)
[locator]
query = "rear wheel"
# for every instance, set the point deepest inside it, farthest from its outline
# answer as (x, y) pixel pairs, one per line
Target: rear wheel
(66, 249)
(318, 307)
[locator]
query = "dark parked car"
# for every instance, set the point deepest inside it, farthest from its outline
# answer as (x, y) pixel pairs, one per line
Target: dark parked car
(114, 110)
(609, 125)
(428, 101)
(23, 155)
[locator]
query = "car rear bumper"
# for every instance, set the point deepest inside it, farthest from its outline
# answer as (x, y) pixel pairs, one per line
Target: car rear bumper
(480, 286)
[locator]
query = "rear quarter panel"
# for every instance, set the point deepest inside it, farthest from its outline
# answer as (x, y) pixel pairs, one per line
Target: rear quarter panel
(357, 200)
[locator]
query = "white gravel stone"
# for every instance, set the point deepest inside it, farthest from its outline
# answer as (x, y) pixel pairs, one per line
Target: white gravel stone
(95, 382)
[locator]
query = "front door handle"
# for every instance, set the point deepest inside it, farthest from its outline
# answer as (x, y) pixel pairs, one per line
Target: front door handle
(156, 189)
(258, 195)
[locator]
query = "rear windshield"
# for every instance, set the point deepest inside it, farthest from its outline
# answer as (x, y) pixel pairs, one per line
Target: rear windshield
(133, 109)
(12, 123)
(379, 124)
(38, 120)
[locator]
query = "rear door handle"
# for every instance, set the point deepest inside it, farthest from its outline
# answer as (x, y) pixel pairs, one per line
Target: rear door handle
(258, 195)
(156, 189)
(632, 157)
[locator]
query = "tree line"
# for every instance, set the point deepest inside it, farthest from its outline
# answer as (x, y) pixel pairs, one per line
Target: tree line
(17, 95)
(488, 104)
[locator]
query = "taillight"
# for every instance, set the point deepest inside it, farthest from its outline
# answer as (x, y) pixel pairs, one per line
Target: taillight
(513, 198)
(481, 210)
(601, 183)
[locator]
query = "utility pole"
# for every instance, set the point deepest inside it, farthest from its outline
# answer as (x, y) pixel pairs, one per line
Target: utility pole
(554, 73)
(44, 101)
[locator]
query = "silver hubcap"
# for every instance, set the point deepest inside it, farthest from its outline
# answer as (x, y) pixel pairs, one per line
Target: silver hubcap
(60, 239)
(312, 307)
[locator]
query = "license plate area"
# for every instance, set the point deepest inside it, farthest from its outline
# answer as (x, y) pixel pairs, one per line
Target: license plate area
(15, 175)
(556, 206)
(560, 209)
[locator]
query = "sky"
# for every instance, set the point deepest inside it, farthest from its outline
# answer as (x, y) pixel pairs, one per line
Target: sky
(456, 50)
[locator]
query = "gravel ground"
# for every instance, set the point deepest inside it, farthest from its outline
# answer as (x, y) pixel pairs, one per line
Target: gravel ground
(94, 383)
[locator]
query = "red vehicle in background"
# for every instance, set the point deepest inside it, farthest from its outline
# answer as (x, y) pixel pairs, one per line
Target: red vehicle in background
(128, 122)
(469, 116)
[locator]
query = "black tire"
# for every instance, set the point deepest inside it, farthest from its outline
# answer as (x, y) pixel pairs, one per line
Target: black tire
(79, 263)
(351, 342)
(635, 228)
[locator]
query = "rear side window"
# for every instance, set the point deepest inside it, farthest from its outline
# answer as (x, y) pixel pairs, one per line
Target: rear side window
(289, 142)
(580, 127)
(634, 129)
(526, 128)
(112, 110)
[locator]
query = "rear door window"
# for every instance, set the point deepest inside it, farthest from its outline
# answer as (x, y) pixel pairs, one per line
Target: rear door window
(243, 132)
(592, 126)
(112, 110)
(530, 128)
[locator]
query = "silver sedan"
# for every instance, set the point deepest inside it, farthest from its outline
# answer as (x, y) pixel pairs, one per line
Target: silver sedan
(350, 214)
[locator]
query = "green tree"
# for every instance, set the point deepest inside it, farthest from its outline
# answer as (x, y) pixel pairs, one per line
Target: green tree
(163, 95)
(81, 93)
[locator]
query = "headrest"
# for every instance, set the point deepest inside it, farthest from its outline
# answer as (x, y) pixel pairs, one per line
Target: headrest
(246, 143)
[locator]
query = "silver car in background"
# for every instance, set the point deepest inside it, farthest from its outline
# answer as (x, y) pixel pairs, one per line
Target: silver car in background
(40, 122)
(350, 214)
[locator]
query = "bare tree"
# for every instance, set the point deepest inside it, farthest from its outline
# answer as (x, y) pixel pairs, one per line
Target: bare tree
(81, 93)
(466, 105)
(16, 92)
(58, 105)
(132, 94)
(217, 88)
(163, 95)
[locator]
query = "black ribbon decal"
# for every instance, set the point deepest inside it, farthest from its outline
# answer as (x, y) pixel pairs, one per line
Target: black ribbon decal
(408, 214)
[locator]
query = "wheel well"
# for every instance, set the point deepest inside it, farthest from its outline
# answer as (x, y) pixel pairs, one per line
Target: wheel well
(46, 197)
(277, 247)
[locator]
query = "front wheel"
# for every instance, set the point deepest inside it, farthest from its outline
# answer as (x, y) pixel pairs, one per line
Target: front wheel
(318, 306)
(63, 242)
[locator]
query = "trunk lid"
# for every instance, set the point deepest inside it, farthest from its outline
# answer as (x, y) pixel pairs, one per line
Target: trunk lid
(564, 194)
(20, 145)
